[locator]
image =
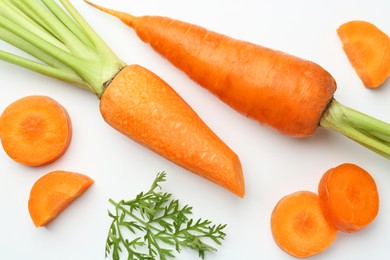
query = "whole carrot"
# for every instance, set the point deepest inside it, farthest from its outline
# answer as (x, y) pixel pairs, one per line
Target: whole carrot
(134, 100)
(285, 92)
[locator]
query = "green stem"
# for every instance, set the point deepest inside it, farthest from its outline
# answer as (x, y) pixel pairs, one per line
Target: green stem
(118, 206)
(366, 130)
(58, 29)
(65, 19)
(19, 17)
(119, 230)
(69, 48)
(53, 72)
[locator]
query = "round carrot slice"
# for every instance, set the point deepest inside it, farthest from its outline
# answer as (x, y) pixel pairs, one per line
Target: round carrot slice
(299, 227)
(349, 197)
(35, 130)
(53, 192)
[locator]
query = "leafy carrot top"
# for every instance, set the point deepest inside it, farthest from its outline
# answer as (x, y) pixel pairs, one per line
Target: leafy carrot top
(159, 223)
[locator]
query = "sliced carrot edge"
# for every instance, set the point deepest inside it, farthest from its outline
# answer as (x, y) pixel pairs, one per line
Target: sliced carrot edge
(298, 226)
(28, 130)
(54, 192)
(349, 197)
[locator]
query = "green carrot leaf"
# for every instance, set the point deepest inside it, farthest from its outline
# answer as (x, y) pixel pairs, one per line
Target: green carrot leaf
(159, 226)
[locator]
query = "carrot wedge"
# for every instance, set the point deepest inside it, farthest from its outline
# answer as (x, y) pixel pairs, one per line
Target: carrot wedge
(35, 130)
(368, 50)
(349, 197)
(299, 227)
(53, 192)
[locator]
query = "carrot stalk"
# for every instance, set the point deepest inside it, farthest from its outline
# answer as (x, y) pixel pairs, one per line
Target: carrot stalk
(299, 227)
(349, 197)
(368, 131)
(289, 94)
(36, 130)
(68, 49)
(53, 192)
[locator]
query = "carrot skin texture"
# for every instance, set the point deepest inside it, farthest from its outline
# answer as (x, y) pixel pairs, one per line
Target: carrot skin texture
(368, 50)
(142, 106)
(298, 226)
(349, 197)
(53, 192)
(276, 89)
(35, 130)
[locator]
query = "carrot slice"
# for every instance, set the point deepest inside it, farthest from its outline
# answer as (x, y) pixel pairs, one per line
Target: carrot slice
(299, 227)
(368, 50)
(349, 197)
(53, 192)
(35, 130)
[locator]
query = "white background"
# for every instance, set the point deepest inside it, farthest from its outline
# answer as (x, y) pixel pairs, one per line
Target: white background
(274, 165)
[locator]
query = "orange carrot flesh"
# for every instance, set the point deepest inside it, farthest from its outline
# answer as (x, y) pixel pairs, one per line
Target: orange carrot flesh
(35, 130)
(299, 227)
(142, 106)
(349, 197)
(53, 192)
(368, 50)
(282, 91)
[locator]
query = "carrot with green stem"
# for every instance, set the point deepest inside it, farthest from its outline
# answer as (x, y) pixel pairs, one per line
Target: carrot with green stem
(287, 93)
(133, 100)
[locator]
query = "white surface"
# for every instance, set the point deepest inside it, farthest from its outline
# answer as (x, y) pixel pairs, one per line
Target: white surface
(274, 165)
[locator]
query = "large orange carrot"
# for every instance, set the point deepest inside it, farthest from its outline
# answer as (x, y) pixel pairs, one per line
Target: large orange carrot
(53, 192)
(368, 50)
(36, 130)
(289, 94)
(277, 89)
(299, 227)
(142, 106)
(133, 100)
(349, 197)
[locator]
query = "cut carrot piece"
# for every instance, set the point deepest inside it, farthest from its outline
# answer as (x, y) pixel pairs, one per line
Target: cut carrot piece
(368, 50)
(142, 106)
(35, 130)
(349, 197)
(299, 227)
(53, 192)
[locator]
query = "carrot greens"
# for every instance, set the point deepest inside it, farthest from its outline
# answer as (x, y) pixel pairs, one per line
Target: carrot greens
(65, 45)
(159, 224)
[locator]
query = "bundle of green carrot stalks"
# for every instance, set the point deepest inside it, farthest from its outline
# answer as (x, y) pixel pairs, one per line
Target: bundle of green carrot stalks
(290, 94)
